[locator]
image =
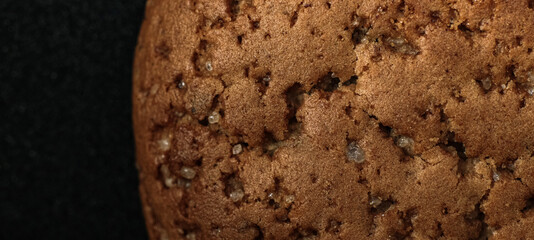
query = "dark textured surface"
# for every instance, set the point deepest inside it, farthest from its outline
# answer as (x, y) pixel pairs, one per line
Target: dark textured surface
(66, 147)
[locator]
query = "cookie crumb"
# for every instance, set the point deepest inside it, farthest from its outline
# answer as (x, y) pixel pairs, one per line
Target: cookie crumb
(183, 183)
(237, 149)
(181, 85)
(159, 159)
(530, 83)
(402, 46)
(168, 179)
(209, 67)
(511, 166)
(154, 89)
(179, 114)
(486, 83)
(357, 21)
(214, 117)
(164, 144)
(191, 236)
(375, 202)
(237, 195)
(267, 78)
(333, 75)
(234, 189)
(496, 176)
(355, 153)
(188, 173)
(405, 143)
(289, 199)
(163, 234)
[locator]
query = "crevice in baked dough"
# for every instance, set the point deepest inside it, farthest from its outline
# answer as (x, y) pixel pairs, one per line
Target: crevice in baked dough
(353, 80)
(486, 231)
(263, 82)
(379, 205)
(457, 147)
(179, 81)
(254, 24)
(270, 144)
(301, 233)
(163, 50)
(457, 95)
(200, 58)
(440, 234)
(187, 229)
(233, 188)
(510, 72)
(294, 99)
(234, 8)
(522, 103)
(280, 200)
(334, 226)
(295, 15)
(260, 235)
(327, 83)
(465, 29)
(240, 39)
(529, 205)
(360, 30)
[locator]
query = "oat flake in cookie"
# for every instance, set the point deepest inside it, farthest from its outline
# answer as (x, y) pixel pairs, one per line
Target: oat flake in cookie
(336, 119)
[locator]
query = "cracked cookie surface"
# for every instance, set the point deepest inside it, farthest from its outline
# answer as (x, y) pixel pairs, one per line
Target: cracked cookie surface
(332, 119)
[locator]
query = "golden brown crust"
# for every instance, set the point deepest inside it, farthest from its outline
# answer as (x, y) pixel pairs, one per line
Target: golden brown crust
(335, 119)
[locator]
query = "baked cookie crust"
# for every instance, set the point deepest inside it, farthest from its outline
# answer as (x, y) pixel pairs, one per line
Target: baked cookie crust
(336, 119)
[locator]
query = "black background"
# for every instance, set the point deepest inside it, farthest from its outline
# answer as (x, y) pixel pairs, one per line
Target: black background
(66, 143)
